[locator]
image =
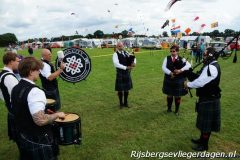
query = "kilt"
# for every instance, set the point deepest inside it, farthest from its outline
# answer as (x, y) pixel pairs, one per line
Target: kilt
(37, 148)
(209, 115)
(174, 86)
(12, 131)
(123, 80)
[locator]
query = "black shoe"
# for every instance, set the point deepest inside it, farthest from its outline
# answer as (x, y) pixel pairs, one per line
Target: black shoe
(200, 147)
(169, 110)
(126, 105)
(121, 105)
(195, 141)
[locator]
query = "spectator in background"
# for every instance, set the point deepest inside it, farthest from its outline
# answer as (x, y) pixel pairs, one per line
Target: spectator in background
(30, 50)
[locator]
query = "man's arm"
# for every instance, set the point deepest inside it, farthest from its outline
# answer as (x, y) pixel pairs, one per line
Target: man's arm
(41, 119)
(10, 81)
(116, 62)
(57, 72)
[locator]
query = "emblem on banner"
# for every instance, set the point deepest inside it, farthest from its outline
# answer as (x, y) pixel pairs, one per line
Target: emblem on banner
(77, 65)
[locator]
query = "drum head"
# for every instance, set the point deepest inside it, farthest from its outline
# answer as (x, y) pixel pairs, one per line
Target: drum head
(69, 117)
(50, 101)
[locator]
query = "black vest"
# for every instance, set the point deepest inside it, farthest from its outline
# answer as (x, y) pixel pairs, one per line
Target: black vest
(4, 89)
(46, 84)
(23, 117)
(211, 89)
(123, 59)
(178, 64)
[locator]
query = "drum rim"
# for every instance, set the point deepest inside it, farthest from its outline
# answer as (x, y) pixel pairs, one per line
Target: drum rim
(54, 101)
(65, 123)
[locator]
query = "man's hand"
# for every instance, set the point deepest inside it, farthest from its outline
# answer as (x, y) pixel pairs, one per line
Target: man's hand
(129, 67)
(62, 65)
(177, 71)
(133, 64)
(60, 115)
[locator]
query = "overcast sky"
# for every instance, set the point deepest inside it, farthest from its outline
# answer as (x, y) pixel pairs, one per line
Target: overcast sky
(51, 18)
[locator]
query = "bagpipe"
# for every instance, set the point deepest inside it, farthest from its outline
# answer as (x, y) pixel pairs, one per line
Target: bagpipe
(130, 59)
(191, 76)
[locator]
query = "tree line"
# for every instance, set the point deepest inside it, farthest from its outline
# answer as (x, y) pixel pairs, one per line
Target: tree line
(10, 38)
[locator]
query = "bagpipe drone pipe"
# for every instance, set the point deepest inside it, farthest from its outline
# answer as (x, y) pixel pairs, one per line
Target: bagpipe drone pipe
(192, 76)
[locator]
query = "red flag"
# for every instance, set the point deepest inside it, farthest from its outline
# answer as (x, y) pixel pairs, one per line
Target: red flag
(196, 18)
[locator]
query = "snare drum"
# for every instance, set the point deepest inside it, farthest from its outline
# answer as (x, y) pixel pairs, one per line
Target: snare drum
(50, 105)
(68, 131)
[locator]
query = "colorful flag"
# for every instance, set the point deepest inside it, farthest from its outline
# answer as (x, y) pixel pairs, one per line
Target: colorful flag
(173, 20)
(187, 31)
(130, 32)
(215, 24)
(175, 30)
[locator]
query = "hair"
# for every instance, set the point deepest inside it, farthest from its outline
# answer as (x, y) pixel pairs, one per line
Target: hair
(176, 47)
(29, 64)
(8, 57)
(211, 54)
(210, 51)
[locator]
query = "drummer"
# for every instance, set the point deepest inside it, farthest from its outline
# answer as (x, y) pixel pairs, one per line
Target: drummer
(48, 77)
(35, 131)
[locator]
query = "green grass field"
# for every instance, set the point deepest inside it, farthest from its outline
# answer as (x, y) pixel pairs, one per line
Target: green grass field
(110, 133)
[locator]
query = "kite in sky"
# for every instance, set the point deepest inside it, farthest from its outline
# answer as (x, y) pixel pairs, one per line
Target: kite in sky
(215, 24)
(187, 31)
(165, 24)
(201, 28)
(170, 4)
(196, 18)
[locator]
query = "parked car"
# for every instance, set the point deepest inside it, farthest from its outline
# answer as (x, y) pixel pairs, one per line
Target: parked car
(219, 46)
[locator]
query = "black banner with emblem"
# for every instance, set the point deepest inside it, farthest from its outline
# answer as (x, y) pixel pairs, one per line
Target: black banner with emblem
(77, 65)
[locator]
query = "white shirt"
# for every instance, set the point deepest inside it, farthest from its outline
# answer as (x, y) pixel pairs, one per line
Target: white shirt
(167, 71)
(116, 60)
(203, 79)
(10, 81)
(46, 71)
(36, 99)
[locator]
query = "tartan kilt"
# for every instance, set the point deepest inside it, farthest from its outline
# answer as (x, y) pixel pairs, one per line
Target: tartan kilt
(174, 86)
(37, 148)
(12, 131)
(123, 80)
(209, 115)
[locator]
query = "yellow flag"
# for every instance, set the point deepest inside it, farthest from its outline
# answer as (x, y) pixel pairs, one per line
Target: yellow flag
(215, 24)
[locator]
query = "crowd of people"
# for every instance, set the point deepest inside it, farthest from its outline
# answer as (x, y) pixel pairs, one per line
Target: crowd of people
(26, 102)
